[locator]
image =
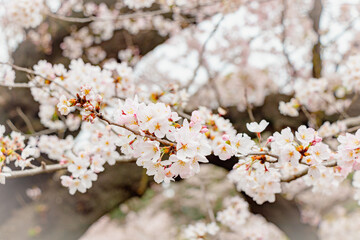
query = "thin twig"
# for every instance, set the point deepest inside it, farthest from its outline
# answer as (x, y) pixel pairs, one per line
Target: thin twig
(26, 120)
(181, 113)
(213, 85)
(309, 117)
(12, 126)
(31, 72)
(353, 129)
(249, 107)
(342, 113)
(348, 27)
(202, 51)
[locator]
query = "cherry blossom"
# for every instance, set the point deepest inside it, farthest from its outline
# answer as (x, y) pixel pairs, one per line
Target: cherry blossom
(257, 127)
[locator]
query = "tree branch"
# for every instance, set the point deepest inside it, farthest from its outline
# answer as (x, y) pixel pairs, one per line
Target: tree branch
(31, 72)
(36, 171)
(305, 171)
(51, 168)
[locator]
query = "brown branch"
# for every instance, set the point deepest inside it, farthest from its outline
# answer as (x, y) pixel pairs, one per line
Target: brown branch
(295, 176)
(35, 171)
(315, 15)
(51, 168)
(16, 85)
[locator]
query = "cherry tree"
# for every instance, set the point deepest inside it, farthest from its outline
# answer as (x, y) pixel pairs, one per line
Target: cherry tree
(200, 96)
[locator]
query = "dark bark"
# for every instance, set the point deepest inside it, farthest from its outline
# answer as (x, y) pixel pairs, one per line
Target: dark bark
(315, 15)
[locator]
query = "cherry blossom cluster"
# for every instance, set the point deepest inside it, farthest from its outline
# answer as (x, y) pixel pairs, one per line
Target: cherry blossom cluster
(235, 214)
(243, 224)
(171, 95)
(333, 226)
(331, 129)
(290, 108)
(88, 157)
(260, 184)
(305, 148)
(235, 221)
(200, 230)
(325, 94)
(307, 152)
(55, 148)
(243, 84)
(352, 74)
(348, 152)
(81, 178)
(41, 38)
(82, 160)
(151, 133)
(25, 13)
(74, 44)
(261, 169)
(219, 132)
(229, 144)
(188, 150)
(14, 149)
(114, 80)
(129, 55)
(348, 158)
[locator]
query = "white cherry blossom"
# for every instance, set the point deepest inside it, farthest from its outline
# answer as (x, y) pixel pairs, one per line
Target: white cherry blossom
(257, 127)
